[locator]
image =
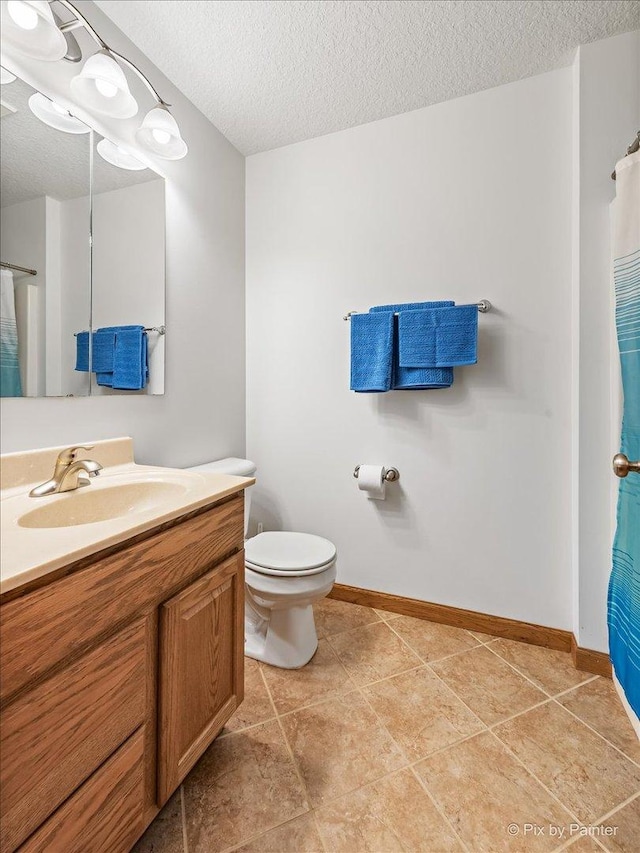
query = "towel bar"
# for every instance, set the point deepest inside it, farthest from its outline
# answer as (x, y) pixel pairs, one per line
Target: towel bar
(161, 330)
(483, 306)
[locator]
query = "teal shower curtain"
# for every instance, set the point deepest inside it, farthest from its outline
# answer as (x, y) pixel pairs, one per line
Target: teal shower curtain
(10, 385)
(624, 585)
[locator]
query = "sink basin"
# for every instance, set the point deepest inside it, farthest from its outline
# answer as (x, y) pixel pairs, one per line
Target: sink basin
(91, 505)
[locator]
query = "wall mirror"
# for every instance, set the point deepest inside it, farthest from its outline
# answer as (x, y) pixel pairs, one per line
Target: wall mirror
(82, 246)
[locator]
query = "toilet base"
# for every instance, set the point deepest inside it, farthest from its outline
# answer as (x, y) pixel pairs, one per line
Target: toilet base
(288, 638)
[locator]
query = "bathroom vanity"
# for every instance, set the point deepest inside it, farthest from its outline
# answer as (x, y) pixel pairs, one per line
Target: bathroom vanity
(120, 664)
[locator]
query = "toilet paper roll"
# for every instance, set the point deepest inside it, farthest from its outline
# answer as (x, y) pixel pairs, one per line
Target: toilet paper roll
(371, 480)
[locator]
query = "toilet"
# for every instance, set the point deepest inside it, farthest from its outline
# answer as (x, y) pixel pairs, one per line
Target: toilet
(285, 573)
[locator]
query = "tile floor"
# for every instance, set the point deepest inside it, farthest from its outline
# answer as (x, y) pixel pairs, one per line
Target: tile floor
(406, 735)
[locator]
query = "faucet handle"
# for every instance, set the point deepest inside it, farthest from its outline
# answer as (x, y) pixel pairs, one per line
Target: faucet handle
(65, 457)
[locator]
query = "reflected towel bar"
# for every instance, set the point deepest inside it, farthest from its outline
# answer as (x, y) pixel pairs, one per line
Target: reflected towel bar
(161, 330)
(483, 306)
(26, 270)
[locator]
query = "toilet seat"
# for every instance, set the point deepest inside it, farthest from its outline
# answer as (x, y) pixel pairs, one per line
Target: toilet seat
(288, 554)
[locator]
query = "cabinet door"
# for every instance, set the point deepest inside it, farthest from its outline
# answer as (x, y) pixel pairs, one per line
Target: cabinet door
(201, 668)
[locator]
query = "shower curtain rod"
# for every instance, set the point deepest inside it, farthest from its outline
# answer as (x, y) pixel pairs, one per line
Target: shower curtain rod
(635, 146)
(17, 268)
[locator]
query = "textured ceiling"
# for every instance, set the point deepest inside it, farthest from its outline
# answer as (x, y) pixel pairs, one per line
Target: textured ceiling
(38, 160)
(271, 72)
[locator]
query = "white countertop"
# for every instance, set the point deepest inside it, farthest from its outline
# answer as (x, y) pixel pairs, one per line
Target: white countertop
(29, 553)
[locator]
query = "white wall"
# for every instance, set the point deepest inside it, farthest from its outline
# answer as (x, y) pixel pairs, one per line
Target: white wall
(468, 199)
(75, 290)
(202, 415)
(607, 112)
(129, 267)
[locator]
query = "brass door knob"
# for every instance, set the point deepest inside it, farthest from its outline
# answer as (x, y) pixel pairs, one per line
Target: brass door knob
(622, 466)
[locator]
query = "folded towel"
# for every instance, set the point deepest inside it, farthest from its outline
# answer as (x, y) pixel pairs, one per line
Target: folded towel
(104, 342)
(415, 378)
(438, 337)
(82, 351)
(371, 351)
(130, 367)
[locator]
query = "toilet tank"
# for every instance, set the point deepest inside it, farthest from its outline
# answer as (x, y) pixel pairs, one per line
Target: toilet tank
(237, 467)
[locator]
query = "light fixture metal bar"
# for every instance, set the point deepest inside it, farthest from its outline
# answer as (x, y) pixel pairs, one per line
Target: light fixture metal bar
(81, 21)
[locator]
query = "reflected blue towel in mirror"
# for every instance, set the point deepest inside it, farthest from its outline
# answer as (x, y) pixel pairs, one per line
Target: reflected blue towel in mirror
(130, 367)
(82, 351)
(371, 351)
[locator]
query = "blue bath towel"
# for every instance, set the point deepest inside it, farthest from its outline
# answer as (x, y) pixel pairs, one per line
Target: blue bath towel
(415, 378)
(371, 351)
(82, 351)
(438, 337)
(130, 367)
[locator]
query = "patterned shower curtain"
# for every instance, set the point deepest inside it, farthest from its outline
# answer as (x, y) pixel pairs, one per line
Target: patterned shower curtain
(10, 385)
(624, 586)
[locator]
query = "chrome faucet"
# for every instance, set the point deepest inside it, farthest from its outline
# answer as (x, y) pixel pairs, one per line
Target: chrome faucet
(68, 473)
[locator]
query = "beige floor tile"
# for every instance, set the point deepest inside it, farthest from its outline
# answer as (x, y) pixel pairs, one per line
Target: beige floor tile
(551, 670)
(583, 771)
(431, 640)
(299, 835)
(256, 707)
(598, 704)
(165, 833)
(333, 617)
(391, 815)
(488, 685)
(626, 824)
(584, 845)
(483, 638)
(420, 712)
(483, 790)
(244, 784)
(322, 677)
(340, 745)
(373, 652)
(386, 614)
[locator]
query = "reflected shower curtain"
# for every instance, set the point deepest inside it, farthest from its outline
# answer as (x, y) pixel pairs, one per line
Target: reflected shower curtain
(10, 385)
(624, 586)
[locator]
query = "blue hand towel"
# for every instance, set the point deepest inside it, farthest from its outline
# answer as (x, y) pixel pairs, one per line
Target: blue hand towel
(82, 351)
(130, 368)
(438, 337)
(415, 378)
(104, 342)
(371, 351)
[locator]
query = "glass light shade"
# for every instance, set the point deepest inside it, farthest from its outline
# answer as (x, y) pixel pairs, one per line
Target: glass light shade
(30, 28)
(117, 156)
(102, 87)
(55, 116)
(159, 134)
(6, 76)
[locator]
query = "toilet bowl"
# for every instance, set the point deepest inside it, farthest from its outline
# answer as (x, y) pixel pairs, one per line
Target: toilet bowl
(285, 573)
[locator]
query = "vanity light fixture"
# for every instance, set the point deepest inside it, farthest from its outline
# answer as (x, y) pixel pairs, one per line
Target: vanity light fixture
(159, 134)
(101, 86)
(6, 76)
(118, 156)
(30, 28)
(55, 116)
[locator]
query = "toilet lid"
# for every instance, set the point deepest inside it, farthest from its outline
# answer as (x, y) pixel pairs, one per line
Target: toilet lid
(286, 551)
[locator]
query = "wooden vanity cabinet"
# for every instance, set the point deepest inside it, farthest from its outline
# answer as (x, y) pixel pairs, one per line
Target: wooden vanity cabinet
(116, 674)
(201, 668)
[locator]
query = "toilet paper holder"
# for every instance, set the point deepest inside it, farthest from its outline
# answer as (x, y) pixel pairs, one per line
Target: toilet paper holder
(390, 474)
